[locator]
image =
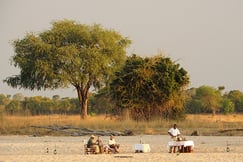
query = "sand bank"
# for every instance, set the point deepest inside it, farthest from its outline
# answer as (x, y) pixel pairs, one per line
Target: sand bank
(47, 148)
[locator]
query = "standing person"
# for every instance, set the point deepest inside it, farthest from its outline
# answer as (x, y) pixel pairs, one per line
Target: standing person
(92, 144)
(112, 144)
(99, 142)
(174, 133)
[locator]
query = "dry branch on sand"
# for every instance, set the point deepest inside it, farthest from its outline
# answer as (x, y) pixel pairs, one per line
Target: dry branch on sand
(75, 131)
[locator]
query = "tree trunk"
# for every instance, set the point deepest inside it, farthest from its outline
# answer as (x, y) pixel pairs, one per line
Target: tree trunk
(83, 101)
(84, 107)
(213, 112)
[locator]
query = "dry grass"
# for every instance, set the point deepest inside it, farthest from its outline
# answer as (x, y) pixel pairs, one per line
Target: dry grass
(204, 124)
(217, 118)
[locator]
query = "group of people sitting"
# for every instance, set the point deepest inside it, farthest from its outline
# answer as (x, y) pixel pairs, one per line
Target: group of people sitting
(99, 147)
(112, 146)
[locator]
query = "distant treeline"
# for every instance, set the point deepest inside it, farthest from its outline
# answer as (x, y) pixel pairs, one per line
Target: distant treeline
(204, 99)
(18, 104)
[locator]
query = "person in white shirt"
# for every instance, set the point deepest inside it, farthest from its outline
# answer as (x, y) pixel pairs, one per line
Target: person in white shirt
(175, 135)
(174, 132)
(112, 144)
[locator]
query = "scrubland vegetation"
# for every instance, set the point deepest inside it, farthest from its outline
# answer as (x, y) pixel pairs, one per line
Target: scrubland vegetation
(203, 124)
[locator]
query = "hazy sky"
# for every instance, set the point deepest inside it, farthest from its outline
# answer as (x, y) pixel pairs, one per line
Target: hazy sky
(205, 36)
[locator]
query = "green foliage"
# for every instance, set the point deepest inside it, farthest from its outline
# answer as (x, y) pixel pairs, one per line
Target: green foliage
(237, 98)
(195, 106)
(55, 97)
(68, 54)
(102, 103)
(74, 106)
(4, 100)
(38, 105)
(210, 97)
(227, 106)
(64, 106)
(13, 107)
(149, 86)
(206, 99)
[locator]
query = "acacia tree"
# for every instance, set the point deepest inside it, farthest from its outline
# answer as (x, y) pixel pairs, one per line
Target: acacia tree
(68, 54)
(149, 85)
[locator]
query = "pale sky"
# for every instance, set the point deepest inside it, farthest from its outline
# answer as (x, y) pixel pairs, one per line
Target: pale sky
(204, 36)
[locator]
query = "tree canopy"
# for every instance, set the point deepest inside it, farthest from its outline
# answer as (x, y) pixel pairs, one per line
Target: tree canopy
(207, 99)
(149, 85)
(210, 97)
(68, 54)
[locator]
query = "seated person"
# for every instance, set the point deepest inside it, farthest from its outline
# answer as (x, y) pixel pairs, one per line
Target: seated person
(92, 144)
(99, 142)
(112, 144)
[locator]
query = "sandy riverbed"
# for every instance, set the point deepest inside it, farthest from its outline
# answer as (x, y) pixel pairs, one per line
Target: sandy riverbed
(29, 149)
